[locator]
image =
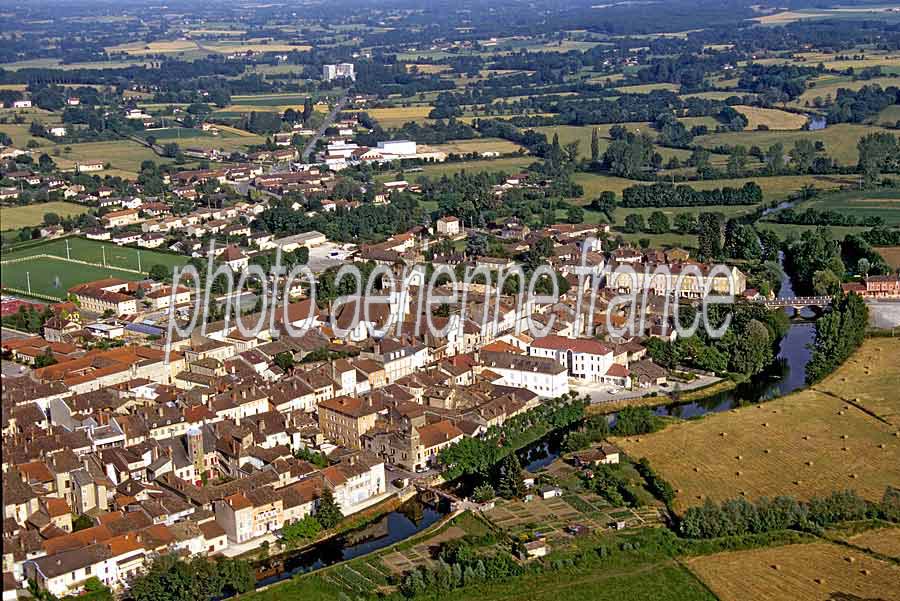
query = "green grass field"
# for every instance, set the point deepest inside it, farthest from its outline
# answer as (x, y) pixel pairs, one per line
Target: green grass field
(884, 204)
(31, 215)
(509, 165)
(840, 140)
(52, 277)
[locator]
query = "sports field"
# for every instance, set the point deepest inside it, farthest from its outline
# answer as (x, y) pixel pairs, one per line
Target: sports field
(12, 218)
(805, 444)
(810, 572)
(53, 276)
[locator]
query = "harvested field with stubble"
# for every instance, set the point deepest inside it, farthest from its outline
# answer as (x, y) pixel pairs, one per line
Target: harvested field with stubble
(806, 444)
(770, 118)
(870, 379)
(810, 572)
(885, 541)
(891, 254)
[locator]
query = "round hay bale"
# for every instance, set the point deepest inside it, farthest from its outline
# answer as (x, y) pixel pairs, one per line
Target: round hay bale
(806, 437)
(850, 559)
(775, 566)
(798, 482)
(696, 469)
(845, 449)
(739, 457)
(840, 413)
(765, 424)
(737, 473)
(853, 476)
(820, 581)
(723, 434)
(844, 437)
(865, 572)
(882, 446)
(809, 463)
(766, 451)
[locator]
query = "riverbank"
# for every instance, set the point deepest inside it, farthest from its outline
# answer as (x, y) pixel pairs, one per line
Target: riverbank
(842, 433)
(690, 396)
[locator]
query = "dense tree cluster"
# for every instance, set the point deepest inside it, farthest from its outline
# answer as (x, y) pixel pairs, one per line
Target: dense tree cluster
(667, 195)
(738, 517)
(838, 334)
(170, 578)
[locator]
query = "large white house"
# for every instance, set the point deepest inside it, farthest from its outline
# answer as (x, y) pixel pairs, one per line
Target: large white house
(583, 358)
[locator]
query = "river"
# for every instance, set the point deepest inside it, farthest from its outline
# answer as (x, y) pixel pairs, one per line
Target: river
(785, 375)
(411, 518)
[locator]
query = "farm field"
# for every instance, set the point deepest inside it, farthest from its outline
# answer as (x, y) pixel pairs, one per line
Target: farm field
(808, 572)
(826, 85)
(397, 116)
(793, 445)
(582, 135)
(227, 140)
(885, 541)
(646, 88)
(869, 379)
(773, 188)
(509, 165)
(890, 115)
(478, 145)
(159, 47)
(891, 254)
(771, 118)
(662, 581)
(124, 156)
(31, 215)
(840, 140)
(859, 204)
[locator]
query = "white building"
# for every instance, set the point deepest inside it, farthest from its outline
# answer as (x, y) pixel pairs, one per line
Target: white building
(397, 148)
(448, 225)
(330, 72)
(542, 376)
(583, 358)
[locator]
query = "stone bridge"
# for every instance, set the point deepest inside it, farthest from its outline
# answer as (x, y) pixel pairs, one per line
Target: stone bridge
(796, 302)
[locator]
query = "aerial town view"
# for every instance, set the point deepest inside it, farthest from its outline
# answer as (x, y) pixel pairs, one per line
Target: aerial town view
(450, 300)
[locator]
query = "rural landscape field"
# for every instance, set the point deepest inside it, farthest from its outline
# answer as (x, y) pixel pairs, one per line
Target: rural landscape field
(574, 300)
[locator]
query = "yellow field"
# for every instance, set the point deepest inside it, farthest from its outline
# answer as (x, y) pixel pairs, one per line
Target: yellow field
(124, 156)
(776, 187)
(478, 145)
(809, 572)
(840, 140)
(397, 116)
(646, 88)
(889, 116)
(872, 59)
(16, 87)
(805, 444)
(771, 118)
(891, 254)
(826, 85)
(228, 48)
(789, 16)
(31, 215)
(885, 541)
(428, 68)
(870, 379)
(138, 48)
